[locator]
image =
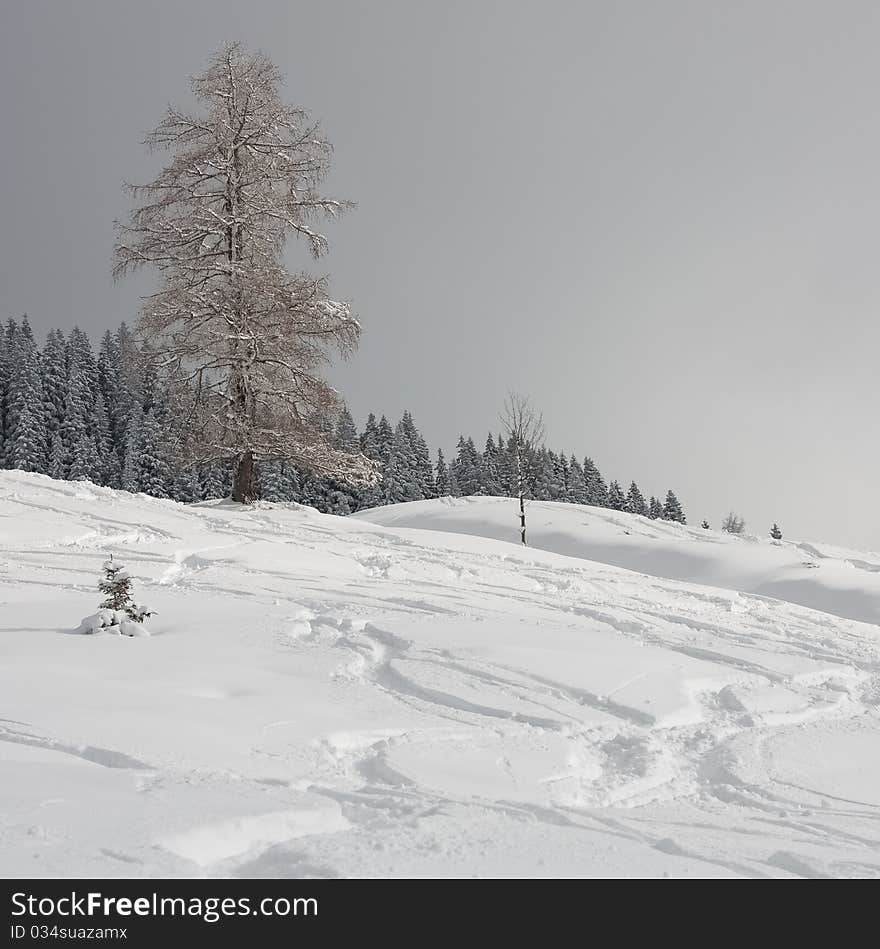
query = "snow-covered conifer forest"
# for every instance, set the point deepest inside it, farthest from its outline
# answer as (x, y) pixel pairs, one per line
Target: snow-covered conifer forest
(110, 419)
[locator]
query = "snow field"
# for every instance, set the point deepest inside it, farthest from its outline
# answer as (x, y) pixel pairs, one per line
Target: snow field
(327, 696)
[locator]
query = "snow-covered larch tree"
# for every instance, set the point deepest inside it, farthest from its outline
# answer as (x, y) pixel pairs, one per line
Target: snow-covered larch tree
(245, 338)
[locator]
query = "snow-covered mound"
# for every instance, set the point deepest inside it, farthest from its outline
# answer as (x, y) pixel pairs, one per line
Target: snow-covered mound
(322, 696)
(822, 577)
(113, 622)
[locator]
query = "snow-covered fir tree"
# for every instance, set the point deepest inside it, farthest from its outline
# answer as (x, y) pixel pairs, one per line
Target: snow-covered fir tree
(384, 438)
(594, 484)
(186, 486)
(454, 489)
(442, 480)
(577, 488)
(672, 510)
(635, 501)
(54, 381)
(116, 587)
(26, 422)
(616, 499)
(56, 465)
(154, 468)
(423, 470)
(271, 481)
(215, 481)
(490, 477)
(107, 466)
(345, 436)
(400, 481)
(131, 462)
(505, 464)
(131, 366)
(78, 429)
(369, 439)
(466, 467)
(338, 502)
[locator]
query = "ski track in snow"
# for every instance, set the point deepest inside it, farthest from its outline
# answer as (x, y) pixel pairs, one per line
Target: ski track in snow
(676, 759)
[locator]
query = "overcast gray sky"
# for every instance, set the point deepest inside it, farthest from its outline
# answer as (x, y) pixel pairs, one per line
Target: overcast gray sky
(661, 219)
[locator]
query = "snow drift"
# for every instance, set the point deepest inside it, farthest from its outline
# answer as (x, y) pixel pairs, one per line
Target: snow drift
(820, 576)
(326, 696)
(113, 622)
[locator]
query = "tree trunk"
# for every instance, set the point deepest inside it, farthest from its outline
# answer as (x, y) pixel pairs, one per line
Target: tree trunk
(520, 484)
(244, 484)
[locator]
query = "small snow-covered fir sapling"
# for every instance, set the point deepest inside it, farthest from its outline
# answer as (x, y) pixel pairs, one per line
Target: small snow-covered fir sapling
(116, 587)
(775, 532)
(705, 525)
(118, 613)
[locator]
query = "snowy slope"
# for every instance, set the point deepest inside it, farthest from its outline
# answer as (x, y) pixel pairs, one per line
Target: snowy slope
(822, 577)
(325, 696)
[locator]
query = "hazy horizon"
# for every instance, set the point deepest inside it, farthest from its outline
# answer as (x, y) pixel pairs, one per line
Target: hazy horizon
(658, 220)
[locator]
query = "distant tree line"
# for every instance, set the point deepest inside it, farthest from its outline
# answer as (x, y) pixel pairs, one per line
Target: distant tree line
(107, 418)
